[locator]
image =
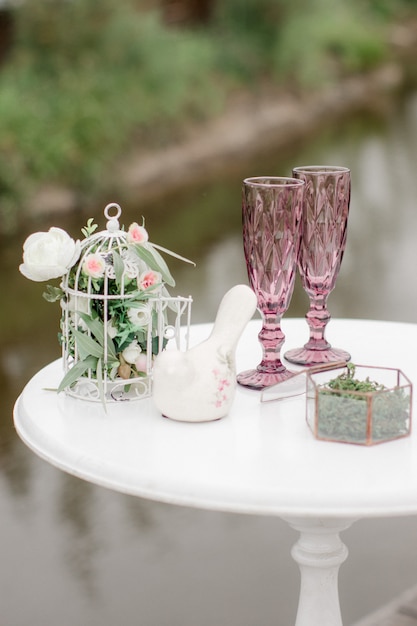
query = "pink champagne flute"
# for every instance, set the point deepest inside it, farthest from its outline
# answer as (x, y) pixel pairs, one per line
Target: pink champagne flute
(323, 241)
(271, 216)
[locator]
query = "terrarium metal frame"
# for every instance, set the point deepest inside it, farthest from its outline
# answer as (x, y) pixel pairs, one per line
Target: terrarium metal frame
(360, 417)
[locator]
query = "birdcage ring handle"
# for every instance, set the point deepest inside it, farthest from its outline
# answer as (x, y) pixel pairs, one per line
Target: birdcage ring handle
(108, 209)
(112, 220)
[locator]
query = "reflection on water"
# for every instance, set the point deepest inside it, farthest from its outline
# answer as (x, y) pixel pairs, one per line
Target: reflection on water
(74, 553)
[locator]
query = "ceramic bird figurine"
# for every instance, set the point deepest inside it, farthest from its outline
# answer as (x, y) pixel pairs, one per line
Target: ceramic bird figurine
(199, 385)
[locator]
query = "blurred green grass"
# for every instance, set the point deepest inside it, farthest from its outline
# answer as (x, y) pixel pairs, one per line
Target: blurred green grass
(86, 81)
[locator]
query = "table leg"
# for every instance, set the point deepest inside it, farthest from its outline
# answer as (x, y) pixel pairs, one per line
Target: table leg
(319, 553)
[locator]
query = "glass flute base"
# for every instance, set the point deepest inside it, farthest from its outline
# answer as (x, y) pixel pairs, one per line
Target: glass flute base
(311, 356)
(256, 379)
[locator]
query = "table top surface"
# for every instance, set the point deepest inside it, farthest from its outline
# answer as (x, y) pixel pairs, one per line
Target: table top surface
(261, 458)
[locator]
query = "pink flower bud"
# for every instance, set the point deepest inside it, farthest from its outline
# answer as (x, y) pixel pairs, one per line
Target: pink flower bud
(141, 363)
(137, 234)
(149, 279)
(94, 265)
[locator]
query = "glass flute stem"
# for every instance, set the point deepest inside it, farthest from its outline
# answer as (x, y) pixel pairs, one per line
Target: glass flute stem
(271, 338)
(317, 349)
(270, 370)
(317, 319)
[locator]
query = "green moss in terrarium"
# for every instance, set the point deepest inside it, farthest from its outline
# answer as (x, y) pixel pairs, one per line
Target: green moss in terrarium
(360, 411)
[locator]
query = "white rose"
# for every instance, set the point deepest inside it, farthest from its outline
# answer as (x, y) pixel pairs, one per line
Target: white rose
(140, 315)
(49, 255)
(132, 352)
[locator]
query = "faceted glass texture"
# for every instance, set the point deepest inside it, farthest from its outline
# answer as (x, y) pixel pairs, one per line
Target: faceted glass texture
(271, 216)
(323, 242)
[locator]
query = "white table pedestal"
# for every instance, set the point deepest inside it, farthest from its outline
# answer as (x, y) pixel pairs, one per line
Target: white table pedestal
(319, 553)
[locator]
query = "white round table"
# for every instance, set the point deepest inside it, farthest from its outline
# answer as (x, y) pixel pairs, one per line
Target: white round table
(260, 459)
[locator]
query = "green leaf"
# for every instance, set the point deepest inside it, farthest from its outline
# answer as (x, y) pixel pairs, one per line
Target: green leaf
(87, 346)
(77, 371)
(155, 344)
(140, 294)
(119, 267)
(125, 338)
(53, 294)
(90, 228)
(174, 254)
(154, 260)
(96, 327)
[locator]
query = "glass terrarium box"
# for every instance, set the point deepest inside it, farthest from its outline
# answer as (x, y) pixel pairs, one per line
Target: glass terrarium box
(359, 404)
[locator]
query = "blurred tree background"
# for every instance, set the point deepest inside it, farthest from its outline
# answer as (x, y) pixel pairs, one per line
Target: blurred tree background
(82, 81)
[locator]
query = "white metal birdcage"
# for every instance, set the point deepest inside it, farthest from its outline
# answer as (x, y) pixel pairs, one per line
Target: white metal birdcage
(113, 324)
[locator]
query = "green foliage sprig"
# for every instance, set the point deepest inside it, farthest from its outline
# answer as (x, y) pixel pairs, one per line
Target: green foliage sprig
(90, 228)
(347, 382)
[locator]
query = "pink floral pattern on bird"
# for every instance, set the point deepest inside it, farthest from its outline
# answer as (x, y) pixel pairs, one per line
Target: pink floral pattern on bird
(222, 389)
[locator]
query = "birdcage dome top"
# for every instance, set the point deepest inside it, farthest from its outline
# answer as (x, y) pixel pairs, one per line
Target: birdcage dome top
(112, 258)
